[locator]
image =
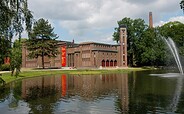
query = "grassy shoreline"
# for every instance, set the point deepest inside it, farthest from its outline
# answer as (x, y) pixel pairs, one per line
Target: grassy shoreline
(35, 73)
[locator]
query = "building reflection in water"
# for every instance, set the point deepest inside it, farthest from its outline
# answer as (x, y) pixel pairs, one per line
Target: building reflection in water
(88, 87)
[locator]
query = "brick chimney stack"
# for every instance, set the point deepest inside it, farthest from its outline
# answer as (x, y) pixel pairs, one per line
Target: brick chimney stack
(150, 20)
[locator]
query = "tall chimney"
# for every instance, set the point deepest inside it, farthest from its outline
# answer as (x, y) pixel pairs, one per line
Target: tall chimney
(150, 20)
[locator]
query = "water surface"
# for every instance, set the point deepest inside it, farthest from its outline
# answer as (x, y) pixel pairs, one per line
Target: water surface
(136, 92)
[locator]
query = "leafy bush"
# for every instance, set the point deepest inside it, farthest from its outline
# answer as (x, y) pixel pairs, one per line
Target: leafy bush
(5, 67)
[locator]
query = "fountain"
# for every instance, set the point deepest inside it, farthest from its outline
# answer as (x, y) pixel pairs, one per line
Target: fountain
(178, 90)
(174, 51)
(174, 102)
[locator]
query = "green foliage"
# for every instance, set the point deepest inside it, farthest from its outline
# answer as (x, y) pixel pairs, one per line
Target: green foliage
(16, 58)
(13, 15)
(5, 47)
(5, 67)
(174, 30)
(42, 41)
(151, 49)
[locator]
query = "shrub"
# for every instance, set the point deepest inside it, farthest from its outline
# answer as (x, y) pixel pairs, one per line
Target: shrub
(5, 67)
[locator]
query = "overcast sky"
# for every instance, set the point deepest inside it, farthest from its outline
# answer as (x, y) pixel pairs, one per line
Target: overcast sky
(95, 20)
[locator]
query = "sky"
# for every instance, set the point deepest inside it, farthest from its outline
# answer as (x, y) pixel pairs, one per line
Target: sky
(95, 20)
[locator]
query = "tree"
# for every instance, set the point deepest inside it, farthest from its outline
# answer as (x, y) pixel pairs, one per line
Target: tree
(16, 57)
(5, 47)
(42, 41)
(174, 30)
(151, 49)
(135, 29)
(182, 4)
(13, 15)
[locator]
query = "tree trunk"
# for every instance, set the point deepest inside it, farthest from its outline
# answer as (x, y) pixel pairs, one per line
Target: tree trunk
(43, 61)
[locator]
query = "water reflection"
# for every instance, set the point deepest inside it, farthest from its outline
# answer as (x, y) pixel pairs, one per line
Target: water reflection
(155, 94)
(2, 82)
(136, 92)
(89, 88)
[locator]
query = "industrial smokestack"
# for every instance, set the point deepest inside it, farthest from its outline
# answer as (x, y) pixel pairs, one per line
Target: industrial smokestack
(150, 20)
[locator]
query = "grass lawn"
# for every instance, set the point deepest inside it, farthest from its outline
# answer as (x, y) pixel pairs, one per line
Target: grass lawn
(33, 73)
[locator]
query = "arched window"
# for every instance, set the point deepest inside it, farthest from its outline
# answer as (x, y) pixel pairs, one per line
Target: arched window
(115, 63)
(103, 63)
(111, 63)
(107, 63)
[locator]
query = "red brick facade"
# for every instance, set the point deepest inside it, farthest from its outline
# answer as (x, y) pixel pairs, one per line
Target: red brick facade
(86, 54)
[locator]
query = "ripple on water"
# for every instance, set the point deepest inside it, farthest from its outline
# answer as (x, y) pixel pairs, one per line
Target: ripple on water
(168, 75)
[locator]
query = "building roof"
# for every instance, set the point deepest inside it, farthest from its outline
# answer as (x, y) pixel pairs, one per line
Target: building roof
(87, 43)
(84, 43)
(103, 50)
(122, 26)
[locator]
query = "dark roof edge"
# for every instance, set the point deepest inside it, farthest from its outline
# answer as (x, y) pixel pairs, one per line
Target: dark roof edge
(86, 43)
(104, 50)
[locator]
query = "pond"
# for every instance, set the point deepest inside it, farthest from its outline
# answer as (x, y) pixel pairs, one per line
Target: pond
(136, 92)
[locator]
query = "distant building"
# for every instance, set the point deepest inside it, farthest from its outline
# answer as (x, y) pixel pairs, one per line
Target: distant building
(85, 54)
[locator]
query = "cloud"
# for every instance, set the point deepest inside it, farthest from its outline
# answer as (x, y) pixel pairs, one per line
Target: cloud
(140, 1)
(172, 19)
(179, 18)
(24, 34)
(83, 17)
(62, 9)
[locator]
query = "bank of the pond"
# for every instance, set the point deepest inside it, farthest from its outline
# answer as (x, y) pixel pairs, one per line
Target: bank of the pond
(28, 73)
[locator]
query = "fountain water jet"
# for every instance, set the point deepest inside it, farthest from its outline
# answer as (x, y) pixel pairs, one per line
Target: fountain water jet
(177, 94)
(174, 102)
(174, 51)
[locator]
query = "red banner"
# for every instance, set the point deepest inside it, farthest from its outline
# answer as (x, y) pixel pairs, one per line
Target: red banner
(63, 56)
(6, 60)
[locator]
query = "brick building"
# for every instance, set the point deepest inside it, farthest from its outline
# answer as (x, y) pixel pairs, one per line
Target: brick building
(85, 54)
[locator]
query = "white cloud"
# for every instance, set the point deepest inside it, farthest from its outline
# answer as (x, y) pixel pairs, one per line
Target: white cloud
(179, 18)
(172, 19)
(81, 17)
(107, 39)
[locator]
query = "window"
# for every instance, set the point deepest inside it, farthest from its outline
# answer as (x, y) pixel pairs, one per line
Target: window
(111, 63)
(103, 63)
(115, 63)
(107, 63)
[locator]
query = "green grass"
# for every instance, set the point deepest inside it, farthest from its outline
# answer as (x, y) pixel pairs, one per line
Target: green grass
(34, 73)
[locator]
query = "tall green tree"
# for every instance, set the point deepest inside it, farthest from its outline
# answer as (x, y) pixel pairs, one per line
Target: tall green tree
(135, 28)
(42, 41)
(151, 49)
(13, 15)
(16, 57)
